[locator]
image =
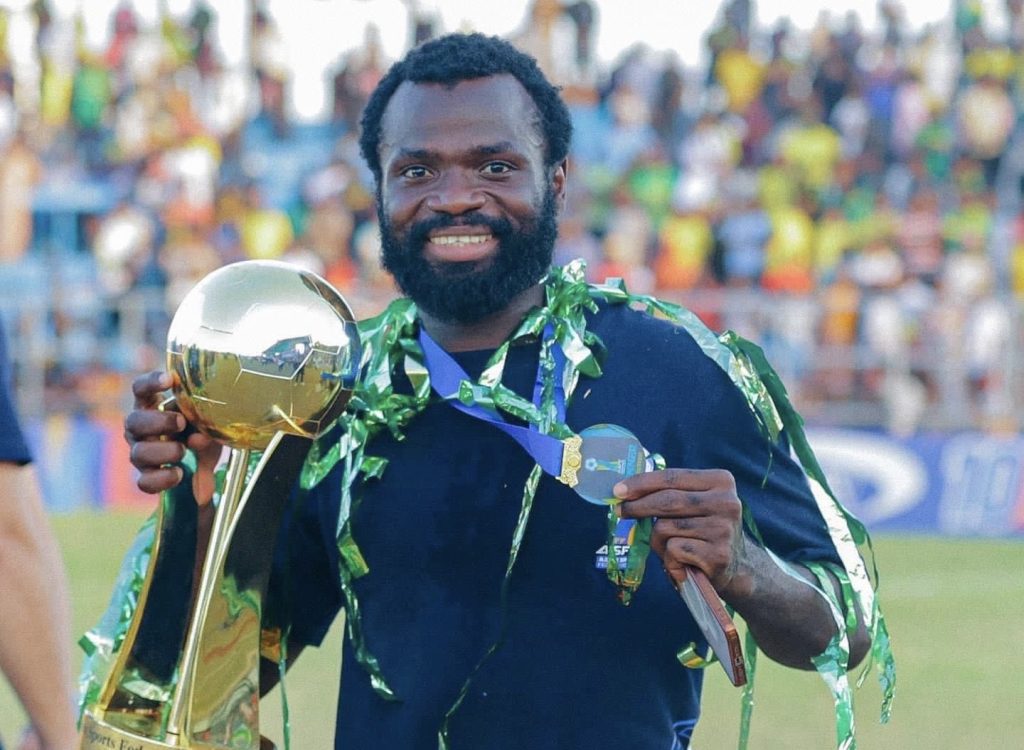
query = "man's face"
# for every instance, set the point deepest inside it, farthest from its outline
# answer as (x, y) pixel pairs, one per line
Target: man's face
(467, 209)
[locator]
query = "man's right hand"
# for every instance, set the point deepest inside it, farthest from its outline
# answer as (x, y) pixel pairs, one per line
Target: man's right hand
(158, 440)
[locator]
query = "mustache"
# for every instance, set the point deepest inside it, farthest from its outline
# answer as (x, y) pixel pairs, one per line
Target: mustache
(419, 232)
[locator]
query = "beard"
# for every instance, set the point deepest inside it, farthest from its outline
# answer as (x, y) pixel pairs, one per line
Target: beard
(466, 292)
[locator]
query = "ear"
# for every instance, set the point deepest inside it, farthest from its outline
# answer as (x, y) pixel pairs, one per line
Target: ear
(558, 178)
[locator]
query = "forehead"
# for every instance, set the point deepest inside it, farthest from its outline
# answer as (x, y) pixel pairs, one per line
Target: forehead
(434, 116)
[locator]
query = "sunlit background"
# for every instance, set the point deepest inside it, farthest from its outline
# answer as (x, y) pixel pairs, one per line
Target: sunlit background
(843, 186)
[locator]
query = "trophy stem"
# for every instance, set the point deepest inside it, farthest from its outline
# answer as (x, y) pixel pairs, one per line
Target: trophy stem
(234, 485)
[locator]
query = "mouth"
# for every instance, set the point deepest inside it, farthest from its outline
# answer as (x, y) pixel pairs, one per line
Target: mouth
(460, 247)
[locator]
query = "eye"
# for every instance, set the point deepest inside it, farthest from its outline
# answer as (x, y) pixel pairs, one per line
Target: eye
(497, 168)
(414, 172)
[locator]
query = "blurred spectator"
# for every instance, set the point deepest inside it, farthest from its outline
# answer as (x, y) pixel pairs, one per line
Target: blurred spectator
(330, 223)
(838, 331)
(987, 337)
(789, 254)
(911, 112)
(91, 94)
(8, 109)
(550, 35)
(584, 16)
(744, 232)
(265, 231)
(20, 172)
(356, 77)
(685, 243)
(631, 133)
(811, 148)
(707, 156)
(849, 188)
(123, 245)
(187, 257)
(270, 67)
(985, 116)
(833, 239)
(852, 119)
(626, 246)
(740, 74)
(575, 240)
(919, 235)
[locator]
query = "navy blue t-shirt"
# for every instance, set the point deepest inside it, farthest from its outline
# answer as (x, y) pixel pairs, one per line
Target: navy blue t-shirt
(12, 442)
(576, 669)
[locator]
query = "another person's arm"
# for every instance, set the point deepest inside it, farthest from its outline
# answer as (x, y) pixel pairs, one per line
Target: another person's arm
(35, 633)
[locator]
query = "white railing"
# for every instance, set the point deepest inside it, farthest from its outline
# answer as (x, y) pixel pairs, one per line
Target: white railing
(950, 374)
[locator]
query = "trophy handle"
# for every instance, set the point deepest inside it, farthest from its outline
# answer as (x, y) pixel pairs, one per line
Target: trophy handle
(217, 697)
(187, 673)
(220, 535)
(134, 693)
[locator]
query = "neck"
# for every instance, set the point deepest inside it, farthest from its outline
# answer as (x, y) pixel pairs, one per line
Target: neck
(486, 333)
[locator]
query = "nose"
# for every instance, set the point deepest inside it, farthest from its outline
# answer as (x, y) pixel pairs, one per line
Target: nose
(455, 193)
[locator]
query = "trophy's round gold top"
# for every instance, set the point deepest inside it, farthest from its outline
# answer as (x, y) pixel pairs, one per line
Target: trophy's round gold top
(259, 347)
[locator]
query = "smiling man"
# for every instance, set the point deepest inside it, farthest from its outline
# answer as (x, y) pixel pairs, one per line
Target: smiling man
(467, 198)
(482, 610)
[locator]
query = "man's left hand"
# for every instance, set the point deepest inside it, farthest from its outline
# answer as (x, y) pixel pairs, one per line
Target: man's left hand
(699, 521)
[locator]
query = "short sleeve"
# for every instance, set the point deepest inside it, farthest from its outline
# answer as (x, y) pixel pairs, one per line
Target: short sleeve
(769, 481)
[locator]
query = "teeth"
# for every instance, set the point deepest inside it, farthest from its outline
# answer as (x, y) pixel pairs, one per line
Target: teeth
(469, 239)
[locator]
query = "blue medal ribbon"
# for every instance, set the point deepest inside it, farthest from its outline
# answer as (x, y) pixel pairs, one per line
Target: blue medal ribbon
(446, 375)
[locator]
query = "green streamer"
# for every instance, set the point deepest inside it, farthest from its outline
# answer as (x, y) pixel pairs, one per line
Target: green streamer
(747, 697)
(354, 628)
(846, 530)
(102, 643)
(833, 662)
(282, 667)
(390, 348)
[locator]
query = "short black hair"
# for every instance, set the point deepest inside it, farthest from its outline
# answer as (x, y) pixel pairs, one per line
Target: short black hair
(454, 58)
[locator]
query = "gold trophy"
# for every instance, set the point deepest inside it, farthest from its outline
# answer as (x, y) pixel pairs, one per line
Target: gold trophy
(264, 356)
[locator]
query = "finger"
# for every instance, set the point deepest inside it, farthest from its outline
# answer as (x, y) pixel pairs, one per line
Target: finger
(679, 552)
(665, 502)
(708, 529)
(676, 527)
(148, 388)
(200, 442)
(680, 504)
(207, 450)
(152, 454)
(158, 480)
(149, 424)
(680, 479)
(666, 528)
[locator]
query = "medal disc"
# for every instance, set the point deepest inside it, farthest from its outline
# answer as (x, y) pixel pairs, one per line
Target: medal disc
(609, 454)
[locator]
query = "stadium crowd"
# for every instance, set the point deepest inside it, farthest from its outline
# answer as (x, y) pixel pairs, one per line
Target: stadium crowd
(849, 198)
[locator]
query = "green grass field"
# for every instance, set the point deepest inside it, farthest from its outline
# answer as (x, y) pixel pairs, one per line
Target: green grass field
(955, 611)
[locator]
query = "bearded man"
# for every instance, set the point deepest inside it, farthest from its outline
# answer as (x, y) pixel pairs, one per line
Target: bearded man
(479, 582)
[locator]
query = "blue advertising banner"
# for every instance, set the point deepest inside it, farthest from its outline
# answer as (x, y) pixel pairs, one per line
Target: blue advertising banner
(957, 484)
